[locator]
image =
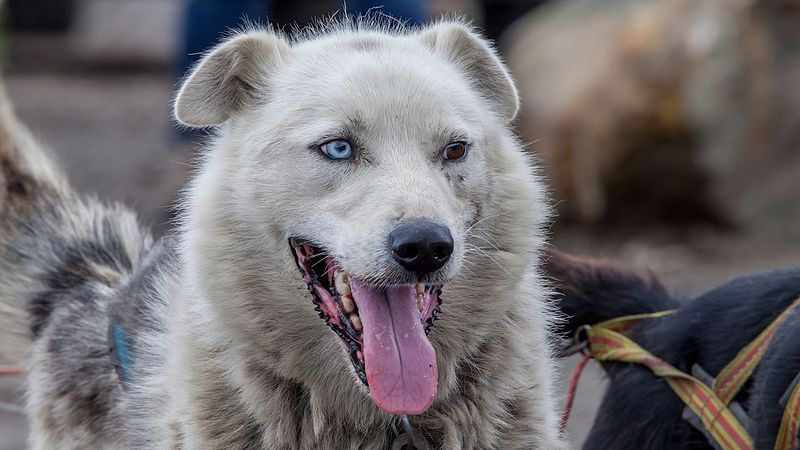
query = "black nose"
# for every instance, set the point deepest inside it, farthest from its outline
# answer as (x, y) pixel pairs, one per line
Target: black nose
(422, 247)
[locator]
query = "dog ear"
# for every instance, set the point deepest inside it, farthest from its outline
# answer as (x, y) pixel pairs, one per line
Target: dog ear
(228, 78)
(590, 291)
(474, 56)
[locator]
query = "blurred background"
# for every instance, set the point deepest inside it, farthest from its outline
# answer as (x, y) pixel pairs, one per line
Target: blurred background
(669, 129)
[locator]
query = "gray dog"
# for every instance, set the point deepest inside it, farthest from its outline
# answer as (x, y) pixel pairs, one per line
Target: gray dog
(356, 266)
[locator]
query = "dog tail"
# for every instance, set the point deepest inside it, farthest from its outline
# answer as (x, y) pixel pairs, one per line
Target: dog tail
(51, 241)
(591, 291)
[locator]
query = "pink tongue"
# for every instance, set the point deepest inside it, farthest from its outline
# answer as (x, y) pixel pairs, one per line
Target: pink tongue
(400, 361)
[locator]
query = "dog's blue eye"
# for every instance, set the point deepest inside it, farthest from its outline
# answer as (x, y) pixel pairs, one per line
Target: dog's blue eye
(338, 149)
(455, 151)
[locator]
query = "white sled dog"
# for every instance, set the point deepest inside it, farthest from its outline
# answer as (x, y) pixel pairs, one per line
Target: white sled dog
(356, 267)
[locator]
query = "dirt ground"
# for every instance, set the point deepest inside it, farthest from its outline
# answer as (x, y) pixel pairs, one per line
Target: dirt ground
(113, 135)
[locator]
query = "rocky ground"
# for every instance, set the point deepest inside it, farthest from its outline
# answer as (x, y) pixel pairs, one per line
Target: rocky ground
(112, 132)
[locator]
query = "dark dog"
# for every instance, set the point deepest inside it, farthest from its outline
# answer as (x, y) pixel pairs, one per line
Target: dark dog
(639, 410)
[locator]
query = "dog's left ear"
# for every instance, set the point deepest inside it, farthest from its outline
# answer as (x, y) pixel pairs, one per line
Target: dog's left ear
(229, 78)
(477, 59)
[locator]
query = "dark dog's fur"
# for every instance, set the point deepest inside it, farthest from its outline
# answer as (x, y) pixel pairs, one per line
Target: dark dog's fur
(639, 410)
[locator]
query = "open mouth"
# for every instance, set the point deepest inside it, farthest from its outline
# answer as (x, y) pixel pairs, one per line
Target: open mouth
(384, 329)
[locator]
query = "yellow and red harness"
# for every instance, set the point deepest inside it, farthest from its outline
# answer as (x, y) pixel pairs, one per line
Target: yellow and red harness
(607, 341)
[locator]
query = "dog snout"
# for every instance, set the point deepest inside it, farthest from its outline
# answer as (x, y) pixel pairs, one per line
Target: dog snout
(421, 247)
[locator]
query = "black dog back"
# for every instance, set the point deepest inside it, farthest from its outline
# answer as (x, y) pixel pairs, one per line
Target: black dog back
(639, 410)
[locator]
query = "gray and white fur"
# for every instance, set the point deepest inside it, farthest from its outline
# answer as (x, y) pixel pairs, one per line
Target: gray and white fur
(226, 348)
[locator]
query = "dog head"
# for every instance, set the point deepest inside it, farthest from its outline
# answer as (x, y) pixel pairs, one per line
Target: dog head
(379, 163)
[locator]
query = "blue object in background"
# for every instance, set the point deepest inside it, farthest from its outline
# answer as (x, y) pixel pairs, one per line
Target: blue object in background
(412, 11)
(206, 21)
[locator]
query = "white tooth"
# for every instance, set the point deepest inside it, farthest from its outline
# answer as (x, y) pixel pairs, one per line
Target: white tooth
(348, 304)
(340, 281)
(420, 302)
(420, 288)
(356, 321)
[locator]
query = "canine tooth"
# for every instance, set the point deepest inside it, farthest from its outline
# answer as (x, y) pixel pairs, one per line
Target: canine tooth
(420, 302)
(356, 322)
(420, 288)
(348, 304)
(340, 281)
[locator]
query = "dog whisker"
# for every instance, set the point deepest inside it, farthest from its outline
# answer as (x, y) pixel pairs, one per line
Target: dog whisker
(483, 220)
(484, 253)
(494, 245)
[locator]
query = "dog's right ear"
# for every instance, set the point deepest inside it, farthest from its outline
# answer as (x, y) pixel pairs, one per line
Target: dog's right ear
(228, 78)
(478, 60)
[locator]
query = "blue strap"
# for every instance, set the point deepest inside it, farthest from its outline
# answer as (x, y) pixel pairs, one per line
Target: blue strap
(124, 362)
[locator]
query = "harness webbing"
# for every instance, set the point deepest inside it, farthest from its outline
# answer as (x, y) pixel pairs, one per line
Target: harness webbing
(608, 344)
(787, 434)
(736, 373)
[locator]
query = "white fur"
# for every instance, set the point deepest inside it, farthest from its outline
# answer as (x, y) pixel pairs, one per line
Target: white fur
(245, 361)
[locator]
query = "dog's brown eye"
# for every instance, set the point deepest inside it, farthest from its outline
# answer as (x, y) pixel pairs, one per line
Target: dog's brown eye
(454, 151)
